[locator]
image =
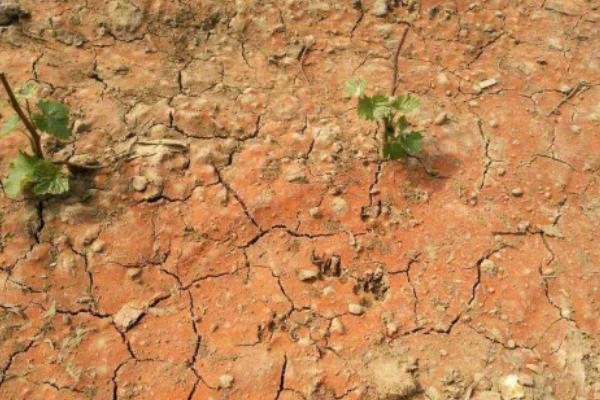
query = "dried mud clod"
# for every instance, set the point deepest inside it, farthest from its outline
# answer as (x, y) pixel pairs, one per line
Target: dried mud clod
(373, 283)
(11, 12)
(392, 376)
(328, 266)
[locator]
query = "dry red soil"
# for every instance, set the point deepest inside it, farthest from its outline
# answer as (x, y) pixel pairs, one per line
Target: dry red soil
(240, 237)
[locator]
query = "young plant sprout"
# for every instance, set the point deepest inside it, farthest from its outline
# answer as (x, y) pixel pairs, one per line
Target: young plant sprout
(32, 173)
(399, 140)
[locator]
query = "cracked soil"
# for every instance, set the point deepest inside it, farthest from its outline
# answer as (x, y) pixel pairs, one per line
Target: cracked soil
(239, 236)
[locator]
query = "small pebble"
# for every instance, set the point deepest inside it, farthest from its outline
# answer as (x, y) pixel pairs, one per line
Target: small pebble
(97, 246)
(487, 83)
(226, 381)
(337, 326)
(441, 118)
(307, 275)
(134, 273)
(391, 328)
(356, 309)
(139, 183)
(315, 212)
(380, 8)
(501, 171)
(517, 192)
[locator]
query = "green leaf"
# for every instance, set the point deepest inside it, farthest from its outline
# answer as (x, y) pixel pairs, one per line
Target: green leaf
(374, 108)
(49, 180)
(9, 125)
(54, 119)
(27, 91)
(356, 87)
(402, 124)
(412, 142)
(365, 108)
(394, 151)
(382, 107)
(405, 104)
(20, 173)
(43, 176)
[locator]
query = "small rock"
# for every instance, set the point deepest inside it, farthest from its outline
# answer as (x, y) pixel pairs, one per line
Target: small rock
(339, 205)
(487, 266)
(523, 226)
(391, 328)
(134, 273)
(296, 175)
(565, 89)
(487, 83)
(97, 246)
(315, 212)
(307, 275)
(125, 18)
(517, 192)
(501, 171)
(441, 118)
(139, 183)
(442, 79)
(552, 231)
(493, 123)
(487, 395)
(380, 8)
(565, 313)
(511, 344)
(337, 326)
(10, 12)
(575, 129)
(356, 309)
(223, 196)
(511, 389)
(226, 381)
(432, 394)
(128, 314)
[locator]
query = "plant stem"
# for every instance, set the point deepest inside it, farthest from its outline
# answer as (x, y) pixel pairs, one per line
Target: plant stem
(34, 136)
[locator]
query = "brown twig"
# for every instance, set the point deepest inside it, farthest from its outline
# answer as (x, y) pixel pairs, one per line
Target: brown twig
(580, 88)
(301, 60)
(34, 136)
(396, 55)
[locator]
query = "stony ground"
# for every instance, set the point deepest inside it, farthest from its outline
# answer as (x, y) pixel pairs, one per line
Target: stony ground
(239, 237)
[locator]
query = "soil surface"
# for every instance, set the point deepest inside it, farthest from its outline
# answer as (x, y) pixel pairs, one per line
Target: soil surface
(238, 236)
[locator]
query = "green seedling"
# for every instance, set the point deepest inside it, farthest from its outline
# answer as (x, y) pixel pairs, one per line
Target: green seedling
(32, 173)
(399, 140)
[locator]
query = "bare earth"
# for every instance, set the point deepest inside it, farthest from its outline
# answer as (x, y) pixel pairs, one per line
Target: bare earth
(241, 239)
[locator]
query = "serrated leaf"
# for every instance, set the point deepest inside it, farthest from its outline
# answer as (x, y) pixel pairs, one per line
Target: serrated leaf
(382, 107)
(44, 177)
(365, 108)
(374, 108)
(356, 87)
(394, 151)
(49, 180)
(412, 142)
(27, 91)
(54, 119)
(405, 104)
(20, 173)
(9, 125)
